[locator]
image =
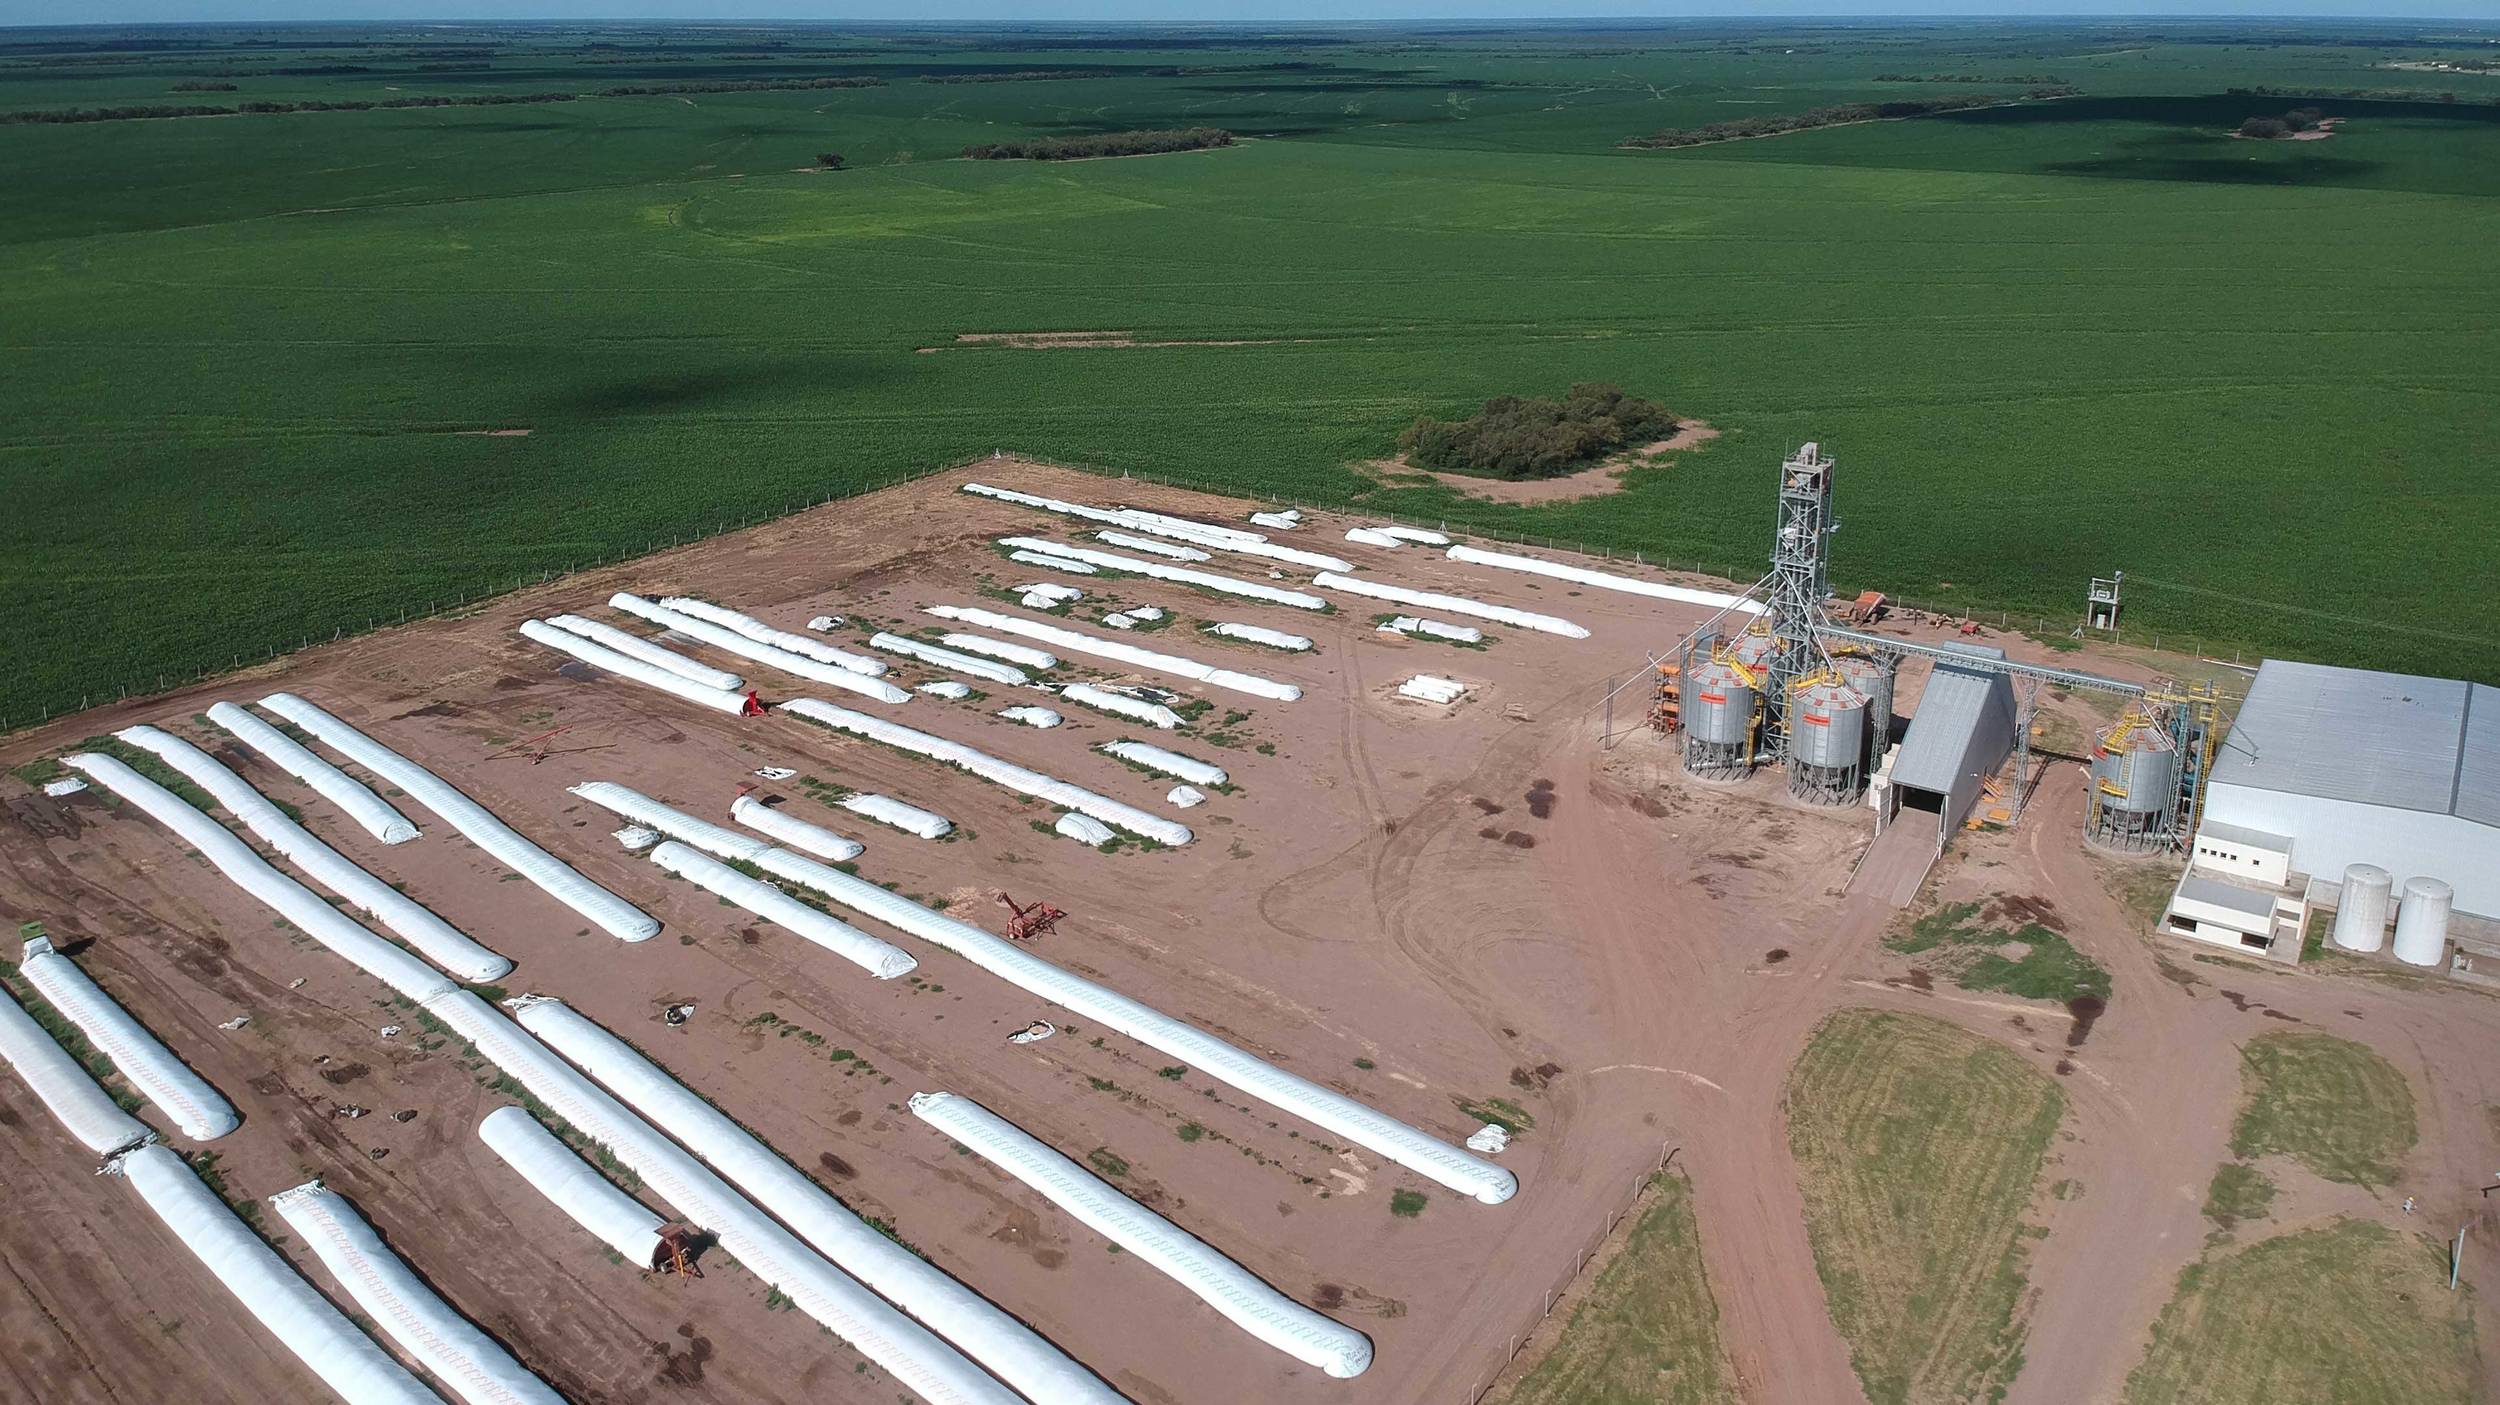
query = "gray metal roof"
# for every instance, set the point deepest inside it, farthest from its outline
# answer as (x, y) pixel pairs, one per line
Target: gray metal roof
(1977, 651)
(2241, 834)
(1953, 708)
(2478, 758)
(2350, 734)
(2196, 887)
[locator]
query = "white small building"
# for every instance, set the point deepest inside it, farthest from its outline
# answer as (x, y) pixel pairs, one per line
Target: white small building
(2247, 854)
(2240, 892)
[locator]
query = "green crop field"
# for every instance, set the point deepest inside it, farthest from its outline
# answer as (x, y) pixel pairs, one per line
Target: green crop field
(247, 358)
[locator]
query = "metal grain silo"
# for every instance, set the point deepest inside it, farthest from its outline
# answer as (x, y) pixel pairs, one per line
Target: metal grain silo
(1719, 709)
(2422, 922)
(1872, 675)
(2361, 913)
(2135, 783)
(1754, 647)
(1826, 740)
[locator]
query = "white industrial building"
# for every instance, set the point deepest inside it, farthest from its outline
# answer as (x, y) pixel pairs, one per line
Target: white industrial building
(2325, 768)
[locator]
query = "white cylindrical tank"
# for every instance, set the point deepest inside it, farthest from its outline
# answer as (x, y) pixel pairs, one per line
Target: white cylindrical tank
(2422, 922)
(2361, 913)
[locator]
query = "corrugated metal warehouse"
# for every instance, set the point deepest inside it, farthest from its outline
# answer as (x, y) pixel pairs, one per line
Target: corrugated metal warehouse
(2360, 767)
(1962, 732)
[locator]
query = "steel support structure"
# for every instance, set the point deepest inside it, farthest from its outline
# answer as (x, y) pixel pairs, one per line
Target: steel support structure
(1804, 638)
(1794, 592)
(2055, 677)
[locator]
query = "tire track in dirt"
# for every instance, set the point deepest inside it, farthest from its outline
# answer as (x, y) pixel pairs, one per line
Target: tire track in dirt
(2141, 1150)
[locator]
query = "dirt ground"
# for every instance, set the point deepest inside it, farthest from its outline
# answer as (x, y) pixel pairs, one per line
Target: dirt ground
(1379, 905)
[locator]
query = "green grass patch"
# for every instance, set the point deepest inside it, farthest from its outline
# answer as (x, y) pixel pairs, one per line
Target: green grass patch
(152, 766)
(1647, 1330)
(1501, 1112)
(2351, 1313)
(1919, 1148)
(2239, 1193)
(2330, 1104)
(2042, 966)
(2142, 887)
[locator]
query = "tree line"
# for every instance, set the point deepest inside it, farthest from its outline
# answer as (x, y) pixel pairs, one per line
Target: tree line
(60, 115)
(738, 85)
(2041, 79)
(2264, 90)
(1201, 70)
(1518, 437)
(1779, 123)
(1024, 75)
(1100, 144)
(257, 107)
(261, 108)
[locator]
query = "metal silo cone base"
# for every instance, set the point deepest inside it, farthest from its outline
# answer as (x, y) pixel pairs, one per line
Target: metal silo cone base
(2130, 831)
(1824, 785)
(1714, 761)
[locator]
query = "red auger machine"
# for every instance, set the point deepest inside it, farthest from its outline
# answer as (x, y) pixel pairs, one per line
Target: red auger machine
(675, 1253)
(1024, 923)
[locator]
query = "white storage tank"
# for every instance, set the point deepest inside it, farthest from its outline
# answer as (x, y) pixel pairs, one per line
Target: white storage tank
(2361, 913)
(2422, 922)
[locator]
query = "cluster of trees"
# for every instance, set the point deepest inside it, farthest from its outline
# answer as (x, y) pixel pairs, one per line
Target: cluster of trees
(258, 107)
(1026, 75)
(1100, 144)
(203, 88)
(2043, 79)
(1778, 123)
(1518, 438)
(2292, 123)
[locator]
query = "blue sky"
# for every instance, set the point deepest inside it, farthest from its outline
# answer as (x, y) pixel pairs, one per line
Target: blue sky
(23, 12)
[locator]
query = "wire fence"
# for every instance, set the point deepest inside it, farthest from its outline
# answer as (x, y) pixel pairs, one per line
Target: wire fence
(2056, 631)
(144, 685)
(1561, 1287)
